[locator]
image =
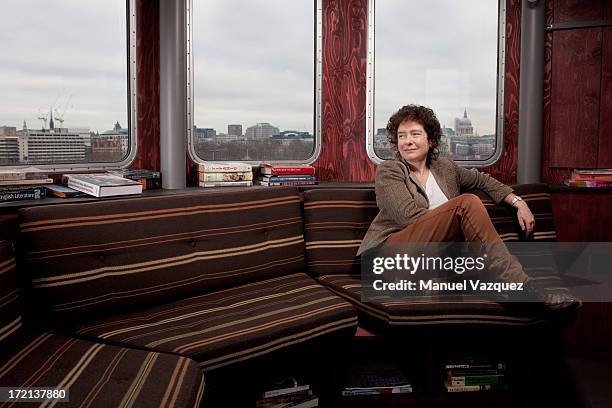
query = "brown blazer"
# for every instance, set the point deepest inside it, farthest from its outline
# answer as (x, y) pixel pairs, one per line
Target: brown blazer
(401, 200)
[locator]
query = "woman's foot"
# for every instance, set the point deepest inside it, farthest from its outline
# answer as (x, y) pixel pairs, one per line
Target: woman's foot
(556, 299)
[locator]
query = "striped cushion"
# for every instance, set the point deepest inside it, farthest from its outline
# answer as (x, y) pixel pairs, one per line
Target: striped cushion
(10, 314)
(98, 375)
(335, 221)
(232, 325)
(433, 311)
(93, 259)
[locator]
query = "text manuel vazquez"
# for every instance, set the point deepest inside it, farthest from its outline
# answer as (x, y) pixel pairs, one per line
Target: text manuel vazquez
(459, 265)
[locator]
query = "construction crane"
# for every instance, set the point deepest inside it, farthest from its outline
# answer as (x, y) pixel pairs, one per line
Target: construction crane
(60, 116)
(42, 117)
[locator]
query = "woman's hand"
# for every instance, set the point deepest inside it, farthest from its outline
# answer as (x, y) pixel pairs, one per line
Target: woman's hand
(525, 218)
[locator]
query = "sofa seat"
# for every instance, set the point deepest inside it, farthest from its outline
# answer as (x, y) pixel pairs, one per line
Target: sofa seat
(232, 325)
(100, 375)
(434, 310)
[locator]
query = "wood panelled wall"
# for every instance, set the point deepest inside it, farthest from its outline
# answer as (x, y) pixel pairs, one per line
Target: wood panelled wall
(578, 90)
(343, 157)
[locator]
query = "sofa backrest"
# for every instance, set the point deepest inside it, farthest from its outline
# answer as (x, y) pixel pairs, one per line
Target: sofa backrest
(336, 220)
(93, 259)
(10, 313)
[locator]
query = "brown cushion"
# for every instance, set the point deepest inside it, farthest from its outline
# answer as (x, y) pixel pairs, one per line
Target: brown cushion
(432, 311)
(98, 375)
(10, 313)
(93, 259)
(232, 325)
(335, 222)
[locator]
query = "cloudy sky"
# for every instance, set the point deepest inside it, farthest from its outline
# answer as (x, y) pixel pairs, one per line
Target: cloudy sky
(443, 55)
(253, 61)
(63, 54)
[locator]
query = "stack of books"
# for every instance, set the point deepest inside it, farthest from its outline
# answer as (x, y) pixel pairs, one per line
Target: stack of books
(225, 174)
(471, 375)
(25, 183)
(376, 379)
(591, 178)
(286, 174)
(102, 184)
(150, 180)
(284, 391)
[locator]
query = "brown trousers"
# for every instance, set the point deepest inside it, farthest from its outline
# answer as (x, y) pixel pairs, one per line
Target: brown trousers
(463, 218)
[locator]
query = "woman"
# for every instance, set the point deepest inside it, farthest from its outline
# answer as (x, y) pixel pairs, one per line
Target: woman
(418, 195)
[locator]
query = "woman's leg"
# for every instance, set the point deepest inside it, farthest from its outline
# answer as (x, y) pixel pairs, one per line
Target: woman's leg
(463, 217)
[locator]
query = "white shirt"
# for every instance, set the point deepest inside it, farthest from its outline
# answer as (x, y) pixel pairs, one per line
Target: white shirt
(434, 193)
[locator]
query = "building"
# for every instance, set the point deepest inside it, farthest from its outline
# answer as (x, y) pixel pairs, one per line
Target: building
(234, 130)
(463, 126)
(50, 146)
(261, 131)
(111, 144)
(381, 140)
(8, 131)
(202, 135)
(9, 149)
(287, 136)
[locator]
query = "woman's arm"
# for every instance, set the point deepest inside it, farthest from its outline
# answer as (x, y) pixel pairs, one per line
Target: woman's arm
(523, 213)
(392, 195)
(476, 180)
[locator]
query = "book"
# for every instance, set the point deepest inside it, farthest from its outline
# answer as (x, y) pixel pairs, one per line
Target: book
(493, 379)
(283, 399)
(226, 183)
(223, 167)
(25, 182)
(472, 388)
(286, 177)
(226, 176)
(374, 379)
(284, 169)
(20, 194)
(588, 183)
(24, 173)
(285, 183)
(149, 179)
(593, 171)
(62, 191)
(102, 184)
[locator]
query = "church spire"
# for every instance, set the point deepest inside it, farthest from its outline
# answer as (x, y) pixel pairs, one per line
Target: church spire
(465, 113)
(51, 125)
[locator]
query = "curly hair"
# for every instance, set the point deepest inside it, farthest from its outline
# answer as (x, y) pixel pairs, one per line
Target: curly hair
(420, 114)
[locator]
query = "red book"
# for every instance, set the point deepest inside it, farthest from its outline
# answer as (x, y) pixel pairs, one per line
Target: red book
(592, 177)
(284, 169)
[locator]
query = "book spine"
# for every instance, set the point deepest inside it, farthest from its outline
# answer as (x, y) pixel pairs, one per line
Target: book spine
(229, 176)
(469, 388)
(84, 187)
(288, 178)
(462, 372)
(287, 183)
(34, 193)
(226, 184)
(592, 177)
(284, 391)
(223, 168)
(477, 380)
(279, 171)
(589, 183)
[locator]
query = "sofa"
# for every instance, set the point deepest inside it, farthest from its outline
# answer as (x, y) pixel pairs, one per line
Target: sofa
(198, 282)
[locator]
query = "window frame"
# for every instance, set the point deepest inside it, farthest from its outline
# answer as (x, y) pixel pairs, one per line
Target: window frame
(132, 106)
(501, 75)
(317, 97)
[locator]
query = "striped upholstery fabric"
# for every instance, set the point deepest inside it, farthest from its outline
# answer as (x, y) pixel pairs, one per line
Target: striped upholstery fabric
(433, 311)
(93, 259)
(10, 314)
(98, 375)
(233, 325)
(335, 221)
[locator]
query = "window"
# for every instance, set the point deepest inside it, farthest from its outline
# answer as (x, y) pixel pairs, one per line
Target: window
(444, 54)
(63, 68)
(253, 75)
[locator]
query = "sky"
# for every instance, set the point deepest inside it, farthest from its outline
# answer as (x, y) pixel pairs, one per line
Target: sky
(253, 61)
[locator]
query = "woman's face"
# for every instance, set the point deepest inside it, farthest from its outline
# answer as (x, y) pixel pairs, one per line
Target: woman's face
(412, 141)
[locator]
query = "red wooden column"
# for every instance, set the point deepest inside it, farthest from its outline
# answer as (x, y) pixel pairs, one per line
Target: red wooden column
(147, 69)
(343, 157)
